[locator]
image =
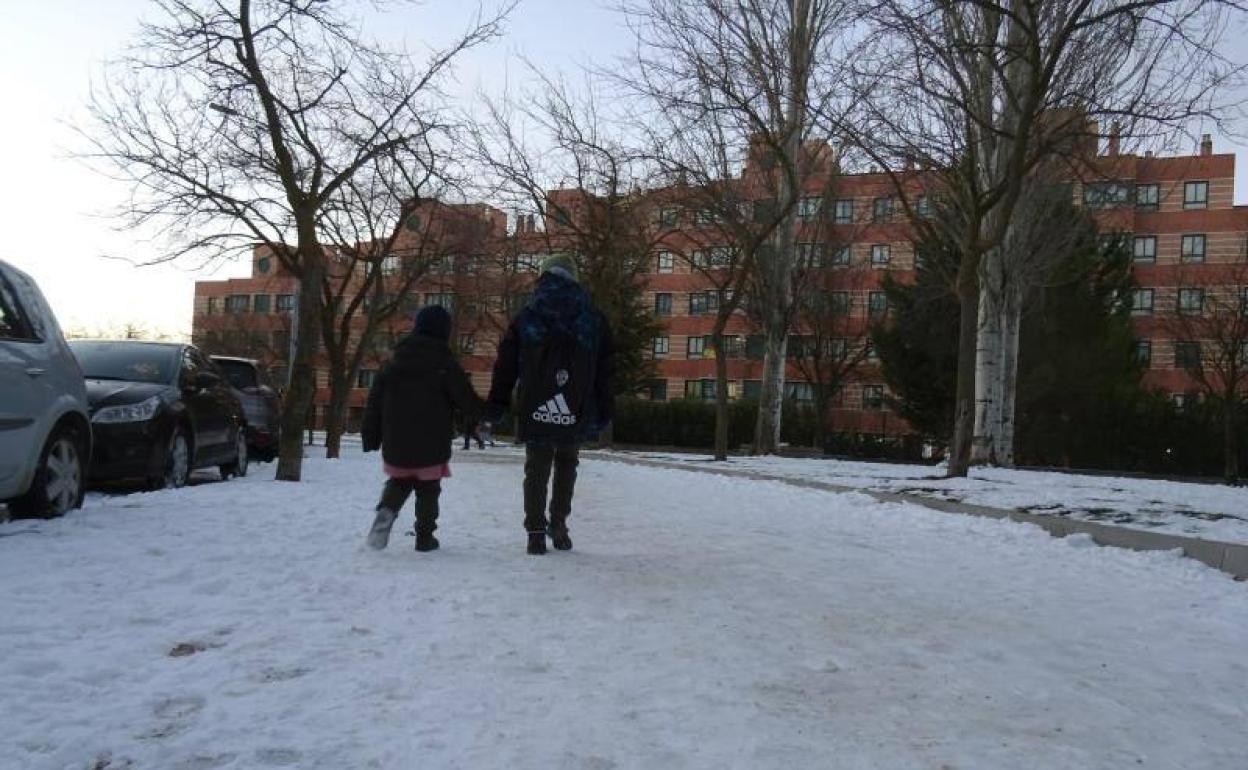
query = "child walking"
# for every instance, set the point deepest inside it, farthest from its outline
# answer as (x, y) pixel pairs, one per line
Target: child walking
(411, 417)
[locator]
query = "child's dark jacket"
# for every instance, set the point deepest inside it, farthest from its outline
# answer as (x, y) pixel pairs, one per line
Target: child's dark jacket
(413, 401)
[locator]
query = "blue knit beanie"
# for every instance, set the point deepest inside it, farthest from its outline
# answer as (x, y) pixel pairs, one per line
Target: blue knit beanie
(434, 321)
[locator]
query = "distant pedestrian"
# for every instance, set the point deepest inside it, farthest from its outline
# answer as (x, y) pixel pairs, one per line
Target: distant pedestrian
(411, 418)
(559, 348)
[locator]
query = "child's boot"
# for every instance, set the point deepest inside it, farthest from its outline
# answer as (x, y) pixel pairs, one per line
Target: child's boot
(379, 535)
(426, 522)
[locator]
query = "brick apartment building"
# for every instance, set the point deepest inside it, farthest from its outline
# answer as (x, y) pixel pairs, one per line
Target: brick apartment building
(1178, 211)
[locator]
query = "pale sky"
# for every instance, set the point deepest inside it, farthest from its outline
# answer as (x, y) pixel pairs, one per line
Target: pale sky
(54, 212)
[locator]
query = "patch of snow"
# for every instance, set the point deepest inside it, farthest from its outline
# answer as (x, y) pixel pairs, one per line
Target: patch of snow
(700, 622)
(1209, 511)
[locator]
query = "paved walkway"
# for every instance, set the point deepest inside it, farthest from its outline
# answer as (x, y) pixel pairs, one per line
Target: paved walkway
(1228, 557)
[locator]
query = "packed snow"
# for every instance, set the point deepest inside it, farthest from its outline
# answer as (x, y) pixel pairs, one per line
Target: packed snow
(1207, 511)
(700, 622)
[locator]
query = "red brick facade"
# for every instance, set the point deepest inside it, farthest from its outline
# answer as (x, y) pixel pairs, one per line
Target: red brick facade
(1167, 204)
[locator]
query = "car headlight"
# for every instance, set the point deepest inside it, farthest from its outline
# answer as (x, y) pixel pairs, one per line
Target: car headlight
(140, 412)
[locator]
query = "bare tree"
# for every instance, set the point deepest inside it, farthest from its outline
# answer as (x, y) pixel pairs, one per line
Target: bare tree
(1209, 327)
(831, 344)
(745, 73)
(978, 95)
(237, 124)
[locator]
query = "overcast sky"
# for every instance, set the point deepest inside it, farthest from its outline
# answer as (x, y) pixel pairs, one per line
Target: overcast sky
(54, 212)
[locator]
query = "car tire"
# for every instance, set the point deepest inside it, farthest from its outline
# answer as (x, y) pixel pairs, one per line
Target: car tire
(238, 468)
(60, 479)
(177, 462)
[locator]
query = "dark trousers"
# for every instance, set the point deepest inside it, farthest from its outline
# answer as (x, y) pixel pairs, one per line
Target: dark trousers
(538, 460)
(394, 495)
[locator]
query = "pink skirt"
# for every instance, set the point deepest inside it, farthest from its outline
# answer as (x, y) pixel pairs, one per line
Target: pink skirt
(427, 473)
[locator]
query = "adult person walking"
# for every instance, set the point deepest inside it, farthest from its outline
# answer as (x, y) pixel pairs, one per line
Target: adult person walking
(559, 347)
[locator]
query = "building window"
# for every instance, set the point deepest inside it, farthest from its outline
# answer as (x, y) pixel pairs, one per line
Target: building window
(1243, 301)
(836, 349)
(733, 345)
(838, 303)
(364, 378)
(238, 303)
(873, 397)
(260, 303)
(285, 303)
(881, 209)
(1144, 248)
(263, 265)
(441, 299)
(755, 347)
(923, 206)
(880, 254)
(467, 344)
(877, 304)
(706, 217)
(212, 306)
(700, 390)
(1193, 249)
(391, 265)
(657, 390)
(843, 213)
(808, 207)
(703, 303)
(1187, 355)
(669, 217)
(751, 390)
(1142, 302)
(800, 346)
(715, 256)
(662, 304)
(666, 262)
(1106, 195)
(809, 255)
(801, 392)
(840, 256)
(1191, 301)
(1144, 353)
(1195, 195)
(869, 352)
(1183, 401)
(660, 346)
(697, 347)
(1147, 196)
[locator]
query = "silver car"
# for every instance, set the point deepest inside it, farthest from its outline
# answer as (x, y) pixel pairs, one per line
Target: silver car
(45, 434)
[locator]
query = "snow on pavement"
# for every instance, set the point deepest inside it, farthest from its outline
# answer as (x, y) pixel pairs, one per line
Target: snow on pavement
(1209, 511)
(701, 622)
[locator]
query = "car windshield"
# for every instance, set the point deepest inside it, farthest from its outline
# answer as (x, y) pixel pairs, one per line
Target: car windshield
(129, 361)
(240, 374)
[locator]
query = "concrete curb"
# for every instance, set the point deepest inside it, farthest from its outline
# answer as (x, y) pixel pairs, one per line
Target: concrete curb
(1231, 558)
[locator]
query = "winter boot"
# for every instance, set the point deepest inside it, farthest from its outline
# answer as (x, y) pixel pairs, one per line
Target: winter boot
(379, 535)
(559, 536)
(426, 542)
(537, 543)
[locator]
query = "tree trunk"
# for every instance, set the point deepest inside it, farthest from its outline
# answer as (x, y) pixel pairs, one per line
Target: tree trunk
(303, 366)
(771, 394)
(964, 405)
(985, 441)
(1012, 312)
(721, 389)
(1230, 440)
(336, 412)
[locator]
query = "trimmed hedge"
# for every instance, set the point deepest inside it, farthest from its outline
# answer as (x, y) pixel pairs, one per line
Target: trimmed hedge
(691, 424)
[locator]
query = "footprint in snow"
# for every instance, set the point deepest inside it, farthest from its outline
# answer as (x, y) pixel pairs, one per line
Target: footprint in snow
(270, 675)
(278, 757)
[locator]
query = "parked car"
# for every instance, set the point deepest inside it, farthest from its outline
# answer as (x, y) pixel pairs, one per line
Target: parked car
(45, 436)
(260, 404)
(159, 411)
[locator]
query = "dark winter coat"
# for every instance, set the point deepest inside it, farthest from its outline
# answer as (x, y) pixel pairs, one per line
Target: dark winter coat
(413, 402)
(560, 307)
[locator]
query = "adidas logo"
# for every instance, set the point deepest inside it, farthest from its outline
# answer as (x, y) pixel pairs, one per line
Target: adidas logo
(555, 411)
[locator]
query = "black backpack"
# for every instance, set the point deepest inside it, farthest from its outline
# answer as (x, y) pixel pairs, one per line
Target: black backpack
(556, 387)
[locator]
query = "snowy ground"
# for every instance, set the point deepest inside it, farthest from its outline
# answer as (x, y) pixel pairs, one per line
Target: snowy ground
(1210, 511)
(701, 622)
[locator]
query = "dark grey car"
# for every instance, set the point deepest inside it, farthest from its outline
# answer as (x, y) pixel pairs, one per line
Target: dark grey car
(260, 404)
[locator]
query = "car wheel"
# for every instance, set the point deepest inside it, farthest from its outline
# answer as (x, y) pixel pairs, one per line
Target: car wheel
(58, 484)
(239, 466)
(177, 461)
